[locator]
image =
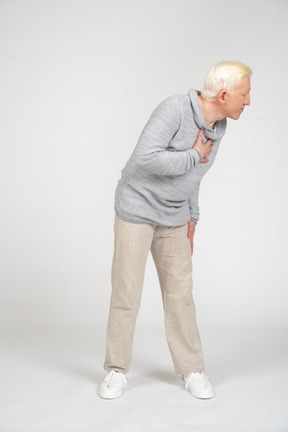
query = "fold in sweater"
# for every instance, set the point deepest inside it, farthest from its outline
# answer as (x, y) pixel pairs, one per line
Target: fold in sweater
(160, 182)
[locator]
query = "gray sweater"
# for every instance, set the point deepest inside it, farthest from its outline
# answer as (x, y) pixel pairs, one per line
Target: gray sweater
(160, 182)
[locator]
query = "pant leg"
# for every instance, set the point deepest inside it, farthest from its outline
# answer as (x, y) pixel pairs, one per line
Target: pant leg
(131, 246)
(172, 256)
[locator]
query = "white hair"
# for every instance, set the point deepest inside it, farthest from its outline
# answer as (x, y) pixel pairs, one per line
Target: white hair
(224, 75)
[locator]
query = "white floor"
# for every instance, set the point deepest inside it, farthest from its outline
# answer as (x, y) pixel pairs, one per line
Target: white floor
(49, 383)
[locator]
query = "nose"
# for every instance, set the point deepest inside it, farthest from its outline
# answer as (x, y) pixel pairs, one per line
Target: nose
(247, 100)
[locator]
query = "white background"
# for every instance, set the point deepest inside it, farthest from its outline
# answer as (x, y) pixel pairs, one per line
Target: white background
(79, 79)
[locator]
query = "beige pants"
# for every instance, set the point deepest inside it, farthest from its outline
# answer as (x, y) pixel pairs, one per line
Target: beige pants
(170, 248)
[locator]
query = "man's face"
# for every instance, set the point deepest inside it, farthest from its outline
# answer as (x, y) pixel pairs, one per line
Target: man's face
(237, 99)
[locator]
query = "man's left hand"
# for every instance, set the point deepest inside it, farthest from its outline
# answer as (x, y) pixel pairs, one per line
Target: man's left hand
(191, 232)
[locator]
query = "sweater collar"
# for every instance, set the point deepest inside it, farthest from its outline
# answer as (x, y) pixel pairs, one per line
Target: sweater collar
(199, 119)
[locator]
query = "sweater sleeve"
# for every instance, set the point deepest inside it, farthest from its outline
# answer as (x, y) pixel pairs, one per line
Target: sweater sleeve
(152, 153)
(193, 203)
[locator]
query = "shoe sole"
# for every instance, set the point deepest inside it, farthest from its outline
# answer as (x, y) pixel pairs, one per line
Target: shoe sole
(107, 396)
(200, 396)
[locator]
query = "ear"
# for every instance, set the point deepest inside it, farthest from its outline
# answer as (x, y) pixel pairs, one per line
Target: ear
(221, 97)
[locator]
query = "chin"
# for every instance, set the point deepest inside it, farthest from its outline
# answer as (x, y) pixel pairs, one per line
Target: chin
(236, 116)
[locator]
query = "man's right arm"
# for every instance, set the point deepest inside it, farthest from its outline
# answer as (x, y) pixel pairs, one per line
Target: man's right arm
(152, 154)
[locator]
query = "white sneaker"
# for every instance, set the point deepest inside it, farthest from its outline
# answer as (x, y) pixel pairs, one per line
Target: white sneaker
(112, 385)
(199, 386)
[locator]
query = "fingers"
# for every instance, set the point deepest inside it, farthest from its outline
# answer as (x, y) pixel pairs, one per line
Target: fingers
(191, 244)
(205, 159)
(209, 147)
(203, 148)
(190, 233)
(191, 237)
(200, 135)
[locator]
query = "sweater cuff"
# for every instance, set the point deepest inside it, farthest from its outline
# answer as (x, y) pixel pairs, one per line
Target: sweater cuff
(197, 156)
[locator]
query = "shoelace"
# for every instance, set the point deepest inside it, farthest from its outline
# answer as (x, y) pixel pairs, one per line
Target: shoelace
(113, 379)
(197, 378)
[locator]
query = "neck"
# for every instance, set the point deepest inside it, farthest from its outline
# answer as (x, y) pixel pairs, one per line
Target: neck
(210, 112)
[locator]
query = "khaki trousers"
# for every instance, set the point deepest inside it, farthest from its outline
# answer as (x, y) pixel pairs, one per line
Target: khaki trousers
(170, 248)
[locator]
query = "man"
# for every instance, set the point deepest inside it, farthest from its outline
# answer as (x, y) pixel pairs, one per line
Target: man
(156, 206)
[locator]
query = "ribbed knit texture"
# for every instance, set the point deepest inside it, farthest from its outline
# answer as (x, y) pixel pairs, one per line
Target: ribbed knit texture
(160, 182)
